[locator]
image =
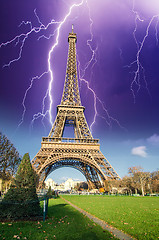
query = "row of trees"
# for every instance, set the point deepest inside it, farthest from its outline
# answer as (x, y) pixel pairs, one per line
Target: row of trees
(137, 181)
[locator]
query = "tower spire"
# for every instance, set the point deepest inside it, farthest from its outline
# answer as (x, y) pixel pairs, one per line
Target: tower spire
(71, 94)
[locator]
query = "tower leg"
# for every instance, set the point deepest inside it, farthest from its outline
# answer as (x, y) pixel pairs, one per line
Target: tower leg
(90, 185)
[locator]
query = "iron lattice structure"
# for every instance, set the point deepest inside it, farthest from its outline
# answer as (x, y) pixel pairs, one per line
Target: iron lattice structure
(81, 152)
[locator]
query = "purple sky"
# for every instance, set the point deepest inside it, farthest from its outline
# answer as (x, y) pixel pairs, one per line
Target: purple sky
(123, 73)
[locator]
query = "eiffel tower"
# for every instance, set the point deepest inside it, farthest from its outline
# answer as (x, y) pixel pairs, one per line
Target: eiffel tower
(81, 152)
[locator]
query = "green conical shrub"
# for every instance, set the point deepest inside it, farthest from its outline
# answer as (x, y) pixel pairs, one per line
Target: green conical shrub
(21, 200)
(25, 176)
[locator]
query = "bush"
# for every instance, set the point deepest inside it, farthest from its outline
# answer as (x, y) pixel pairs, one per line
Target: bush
(21, 200)
(20, 203)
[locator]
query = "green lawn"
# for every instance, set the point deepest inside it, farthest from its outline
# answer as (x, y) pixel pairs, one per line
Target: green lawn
(63, 223)
(138, 216)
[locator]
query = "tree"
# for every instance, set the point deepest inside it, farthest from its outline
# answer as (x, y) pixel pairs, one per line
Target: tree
(140, 178)
(84, 185)
(9, 158)
(80, 186)
(128, 183)
(26, 176)
(50, 193)
(154, 184)
(111, 186)
(77, 187)
(106, 186)
(21, 200)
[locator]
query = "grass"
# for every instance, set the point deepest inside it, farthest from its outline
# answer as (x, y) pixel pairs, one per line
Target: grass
(137, 216)
(63, 223)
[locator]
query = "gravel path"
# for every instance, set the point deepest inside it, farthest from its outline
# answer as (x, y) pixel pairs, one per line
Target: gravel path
(117, 233)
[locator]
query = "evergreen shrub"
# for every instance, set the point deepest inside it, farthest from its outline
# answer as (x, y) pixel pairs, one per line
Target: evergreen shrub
(21, 200)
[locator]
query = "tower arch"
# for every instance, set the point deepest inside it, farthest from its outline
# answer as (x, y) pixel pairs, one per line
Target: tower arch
(89, 169)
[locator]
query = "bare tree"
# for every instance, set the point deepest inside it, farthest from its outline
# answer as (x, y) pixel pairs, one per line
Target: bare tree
(140, 178)
(9, 158)
(128, 183)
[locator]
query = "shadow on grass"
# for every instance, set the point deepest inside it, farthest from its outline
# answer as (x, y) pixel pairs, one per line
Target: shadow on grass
(72, 225)
(63, 223)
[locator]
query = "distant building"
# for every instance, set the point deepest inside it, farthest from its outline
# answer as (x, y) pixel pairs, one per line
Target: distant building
(66, 186)
(50, 183)
(70, 184)
(60, 187)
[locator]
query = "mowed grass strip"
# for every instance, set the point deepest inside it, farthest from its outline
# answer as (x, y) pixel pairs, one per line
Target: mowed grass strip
(137, 216)
(63, 223)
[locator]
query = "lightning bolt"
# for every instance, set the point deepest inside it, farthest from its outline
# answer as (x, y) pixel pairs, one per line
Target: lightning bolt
(156, 31)
(24, 36)
(37, 115)
(136, 81)
(21, 40)
(95, 99)
(91, 63)
(50, 71)
(51, 52)
(121, 54)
